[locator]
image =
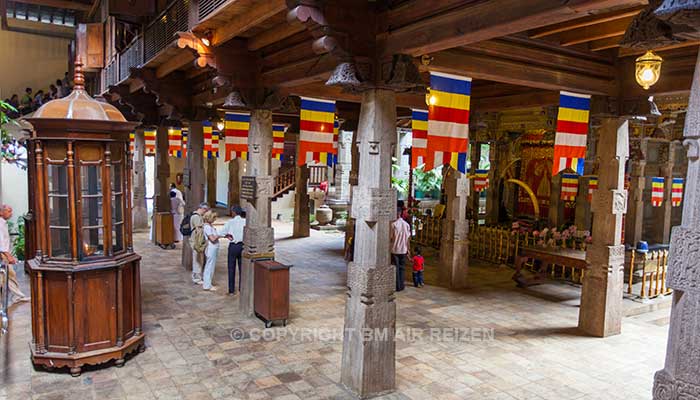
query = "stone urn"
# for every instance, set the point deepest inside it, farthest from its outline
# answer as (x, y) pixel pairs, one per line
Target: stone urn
(324, 215)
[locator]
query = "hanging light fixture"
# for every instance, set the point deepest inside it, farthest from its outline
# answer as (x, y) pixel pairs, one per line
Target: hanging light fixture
(648, 69)
(220, 125)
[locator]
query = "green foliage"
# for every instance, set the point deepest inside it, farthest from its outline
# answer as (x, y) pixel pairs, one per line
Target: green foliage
(427, 182)
(401, 185)
(5, 138)
(18, 239)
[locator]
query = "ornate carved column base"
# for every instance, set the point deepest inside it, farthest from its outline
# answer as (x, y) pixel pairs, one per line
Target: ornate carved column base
(454, 247)
(601, 310)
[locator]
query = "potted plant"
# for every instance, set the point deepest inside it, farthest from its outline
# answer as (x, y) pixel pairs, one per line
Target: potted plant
(427, 183)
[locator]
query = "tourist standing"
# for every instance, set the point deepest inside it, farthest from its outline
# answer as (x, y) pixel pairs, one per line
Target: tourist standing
(6, 254)
(418, 262)
(178, 193)
(233, 231)
(177, 208)
(212, 250)
(400, 238)
(60, 89)
(196, 222)
(25, 105)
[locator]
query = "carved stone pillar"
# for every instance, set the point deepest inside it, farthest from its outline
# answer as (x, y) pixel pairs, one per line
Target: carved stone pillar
(601, 295)
(302, 225)
(355, 167)
(454, 247)
(680, 378)
(258, 235)
(634, 220)
(493, 198)
(344, 166)
(139, 211)
(193, 181)
(211, 181)
(582, 217)
(368, 366)
(556, 205)
(234, 182)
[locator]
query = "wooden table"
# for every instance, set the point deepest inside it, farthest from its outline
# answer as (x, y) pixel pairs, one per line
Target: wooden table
(565, 257)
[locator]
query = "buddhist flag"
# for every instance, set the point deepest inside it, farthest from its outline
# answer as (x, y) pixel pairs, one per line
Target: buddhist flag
(481, 180)
(149, 136)
(592, 186)
(569, 187)
(419, 132)
(132, 140)
(657, 191)
(572, 132)
(316, 131)
(215, 135)
(185, 132)
(448, 121)
(208, 150)
(236, 127)
(175, 142)
(278, 140)
(677, 192)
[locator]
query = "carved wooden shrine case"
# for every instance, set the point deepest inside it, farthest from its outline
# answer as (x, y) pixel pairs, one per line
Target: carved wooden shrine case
(84, 274)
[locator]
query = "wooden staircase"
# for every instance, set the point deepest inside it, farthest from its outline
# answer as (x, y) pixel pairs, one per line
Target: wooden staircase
(284, 182)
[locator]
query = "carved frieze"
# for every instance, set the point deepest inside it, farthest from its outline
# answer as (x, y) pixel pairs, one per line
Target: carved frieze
(371, 283)
(259, 239)
(373, 204)
(683, 266)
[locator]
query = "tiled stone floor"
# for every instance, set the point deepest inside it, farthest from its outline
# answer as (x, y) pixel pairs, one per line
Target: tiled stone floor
(535, 353)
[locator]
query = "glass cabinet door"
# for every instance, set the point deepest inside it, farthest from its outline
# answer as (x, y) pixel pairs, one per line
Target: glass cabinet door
(92, 224)
(59, 220)
(117, 172)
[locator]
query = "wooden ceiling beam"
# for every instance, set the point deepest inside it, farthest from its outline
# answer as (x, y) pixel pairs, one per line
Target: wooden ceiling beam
(584, 22)
(544, 57)
(517, 73)
(64, 4)
(630, 52)
(257, 14)
(487, 20)
(315, 69)
(174, 63)
(595, 32)
(275, 34)
(604, 44)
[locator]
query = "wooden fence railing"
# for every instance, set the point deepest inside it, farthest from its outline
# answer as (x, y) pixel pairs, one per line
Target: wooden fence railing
(284, 181)
(427, 230)
(651, 268)
(317, 174)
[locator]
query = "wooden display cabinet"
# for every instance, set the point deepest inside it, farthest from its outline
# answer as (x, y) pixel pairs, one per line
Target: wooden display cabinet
(84, 274)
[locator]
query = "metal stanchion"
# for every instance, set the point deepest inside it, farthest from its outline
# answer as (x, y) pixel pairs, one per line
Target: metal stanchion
(4, 297)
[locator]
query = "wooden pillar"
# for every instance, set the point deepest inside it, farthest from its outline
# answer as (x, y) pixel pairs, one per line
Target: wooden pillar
(680, 378)
(258, 233)
(454, 247)
(193, 180)
(234, 182)
(368, 365)
(634, 220)
(302, 225)
(139, 210)
(473, 194)
(211, 181)
(601, 294)
(582, 216)
(161, 192)
(556, 205)
(354, 170)
(493, 194)
(662, 215)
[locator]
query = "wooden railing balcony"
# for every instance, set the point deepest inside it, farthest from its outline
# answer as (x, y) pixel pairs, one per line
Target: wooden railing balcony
(317, 174)
(284, 181)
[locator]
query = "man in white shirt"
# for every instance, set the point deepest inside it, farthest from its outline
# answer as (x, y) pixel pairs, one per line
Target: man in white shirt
(233, 230)
(400, 240)
(6, 253)
(178, 193)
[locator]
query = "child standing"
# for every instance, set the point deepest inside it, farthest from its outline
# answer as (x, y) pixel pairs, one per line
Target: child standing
(418, 261)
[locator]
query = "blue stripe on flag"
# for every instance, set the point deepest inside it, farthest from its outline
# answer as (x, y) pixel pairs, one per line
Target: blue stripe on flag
(678, 180)
(445, 84)
(317, 106)
(657, 180)
(580, 166)
(462, 162)
(206, 123)
(578, 103)
(238, 117)
(278, 128)
(419, 115)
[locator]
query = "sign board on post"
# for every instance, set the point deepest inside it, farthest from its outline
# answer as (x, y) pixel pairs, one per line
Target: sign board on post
(248, 188)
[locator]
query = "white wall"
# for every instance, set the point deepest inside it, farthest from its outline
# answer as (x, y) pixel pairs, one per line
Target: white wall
(221, 180)
(14, 188)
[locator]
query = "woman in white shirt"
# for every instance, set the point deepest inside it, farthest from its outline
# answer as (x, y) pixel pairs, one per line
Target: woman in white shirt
(212, 250)
(177, 208)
